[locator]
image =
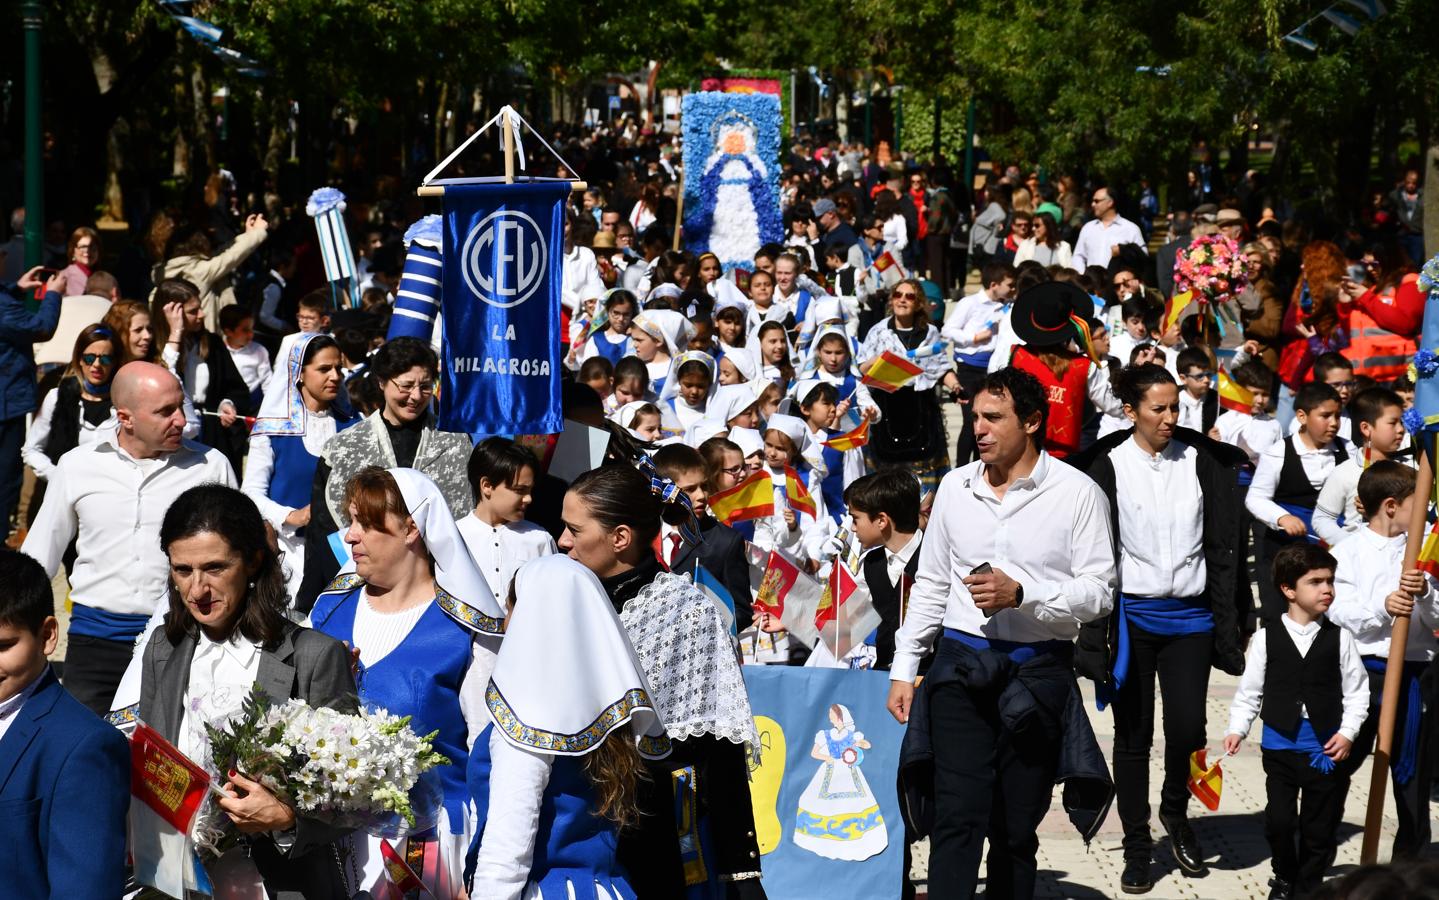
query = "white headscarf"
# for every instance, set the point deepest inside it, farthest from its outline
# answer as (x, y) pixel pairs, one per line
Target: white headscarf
(283, 411)
(672, 381)
(745, 361)
(667, 326)
(566, 675)
(730, 400)
(749, 441)
(792, 427)
(461, 591)
(811, 364)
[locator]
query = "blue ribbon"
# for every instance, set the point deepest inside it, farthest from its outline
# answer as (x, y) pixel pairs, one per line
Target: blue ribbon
(1406, 762)
(1018, 652)
(1305, 514)
(1304, 740)
(1167, 616)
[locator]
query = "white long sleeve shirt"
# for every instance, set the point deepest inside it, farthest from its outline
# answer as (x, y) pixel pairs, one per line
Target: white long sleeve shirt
(1249, 696)
(1252, 434)
(1097, 240)
(260, 467)
(1336, 498)
(1260, 499)
(33, 452)
(1368, 571)
(1050, 532)
(111, 504)
(253, 362)
(971, 315)
(1191, 412)
(499, 552)
(518, 779)
(1161, 520)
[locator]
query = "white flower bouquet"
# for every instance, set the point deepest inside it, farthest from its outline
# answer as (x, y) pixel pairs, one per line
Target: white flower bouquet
(350, 770)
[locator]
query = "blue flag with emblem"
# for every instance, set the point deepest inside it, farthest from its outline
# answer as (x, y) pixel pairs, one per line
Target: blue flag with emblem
(503, 268)
(714, 589)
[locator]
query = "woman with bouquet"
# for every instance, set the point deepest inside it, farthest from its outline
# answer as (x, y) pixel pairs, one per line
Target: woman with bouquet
(573, 717)
(226, 631)
(426, 627)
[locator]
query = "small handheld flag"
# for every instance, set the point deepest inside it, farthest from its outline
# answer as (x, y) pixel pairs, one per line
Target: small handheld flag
(714, 589)
(402, 879)
(796, 493)
(752, 498)
(889, 373)
(1174, 308)
(845, 614)
(1205, 781)
(888, 268)
(1429, 553)
(1233, 395)
(790, 595)
(165, 779)
(850, 440)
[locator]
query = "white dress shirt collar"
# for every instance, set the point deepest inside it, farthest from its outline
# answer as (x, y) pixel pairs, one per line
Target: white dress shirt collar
(10, 708)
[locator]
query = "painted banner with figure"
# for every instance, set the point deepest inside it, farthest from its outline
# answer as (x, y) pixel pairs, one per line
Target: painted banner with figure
(731, 168)
(503, 268)
(826, 814)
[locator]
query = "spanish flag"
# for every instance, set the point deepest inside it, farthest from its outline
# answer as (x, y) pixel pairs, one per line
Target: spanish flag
(1205, 781)
(850, 440)
(1174, 308)
(752, 498)
(796, 493)
(1429, 553)
(1233, 395)
(889, 373)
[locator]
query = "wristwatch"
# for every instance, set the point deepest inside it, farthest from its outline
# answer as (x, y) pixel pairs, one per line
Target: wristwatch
(1018, 595)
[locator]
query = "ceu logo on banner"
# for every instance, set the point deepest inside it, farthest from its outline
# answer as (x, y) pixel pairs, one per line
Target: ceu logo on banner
(504, 258)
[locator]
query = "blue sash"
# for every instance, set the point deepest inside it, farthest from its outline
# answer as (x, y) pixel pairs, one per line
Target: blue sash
(105, 625)
(1406, 762)
(1018, 652)
(1167, 616)
(1305, 514)
(1304, 740)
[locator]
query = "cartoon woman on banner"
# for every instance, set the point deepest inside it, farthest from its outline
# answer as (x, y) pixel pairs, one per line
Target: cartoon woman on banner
(733, 190)
(838, 815)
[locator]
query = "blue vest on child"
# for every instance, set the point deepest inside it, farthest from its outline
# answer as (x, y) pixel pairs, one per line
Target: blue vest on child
(614, 352)
(419, 678)
(574, 848)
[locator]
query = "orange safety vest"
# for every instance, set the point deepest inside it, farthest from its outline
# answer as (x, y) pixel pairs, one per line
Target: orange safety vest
(1375, 352)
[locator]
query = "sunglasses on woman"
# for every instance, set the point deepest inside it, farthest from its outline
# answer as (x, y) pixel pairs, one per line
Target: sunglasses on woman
(103, 359)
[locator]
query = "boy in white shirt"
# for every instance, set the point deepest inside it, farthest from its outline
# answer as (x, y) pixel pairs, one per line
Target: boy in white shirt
(502, 475)
(237, 324)
(972, 328)
(1369, 593)
(1377, 411)
(1287, 482)
(1256, 430)
(1303, 676)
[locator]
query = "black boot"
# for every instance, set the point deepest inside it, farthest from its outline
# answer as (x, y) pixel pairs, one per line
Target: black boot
(1185, 844)
(1136, 878)
(1279, 889)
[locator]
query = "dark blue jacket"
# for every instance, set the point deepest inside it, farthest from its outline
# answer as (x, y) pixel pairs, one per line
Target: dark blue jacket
(19, 330)
(64, 792)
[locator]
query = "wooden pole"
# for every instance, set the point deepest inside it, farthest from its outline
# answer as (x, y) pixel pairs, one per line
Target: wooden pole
(1394, 669)
(509, 138)
(679, 218)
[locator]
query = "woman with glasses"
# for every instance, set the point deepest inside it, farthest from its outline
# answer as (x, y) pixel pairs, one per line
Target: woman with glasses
(1043, 244)
(83, 254)
(401, 433)
(910, 432)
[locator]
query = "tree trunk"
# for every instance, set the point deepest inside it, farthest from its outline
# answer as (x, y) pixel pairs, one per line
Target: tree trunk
(1431, 201)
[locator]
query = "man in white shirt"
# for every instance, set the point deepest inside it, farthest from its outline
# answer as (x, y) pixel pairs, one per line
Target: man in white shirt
(972, 328)
(582, 280)
(1017, 555)
(110, 498)
(1101, 237)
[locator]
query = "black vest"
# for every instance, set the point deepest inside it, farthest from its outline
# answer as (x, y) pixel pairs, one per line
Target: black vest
(1294, 487)
(65, 423)
(1312, 681)
(844, 281)
(886, 599)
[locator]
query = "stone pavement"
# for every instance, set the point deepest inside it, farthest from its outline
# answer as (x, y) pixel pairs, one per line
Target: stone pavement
(1233, 837)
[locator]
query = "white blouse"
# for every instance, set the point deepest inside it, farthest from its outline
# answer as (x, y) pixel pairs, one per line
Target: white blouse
(499, 552)
(33, 453)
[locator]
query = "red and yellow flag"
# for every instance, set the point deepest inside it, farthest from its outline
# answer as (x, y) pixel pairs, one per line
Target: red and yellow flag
(1233, 395)
(837, 589)
(165, 779)
(797, 494)
(401, 877)
(890, 372)
(850, 440)
(1429, 553)
(1205, 781)
(1174, 308)
(752, 498)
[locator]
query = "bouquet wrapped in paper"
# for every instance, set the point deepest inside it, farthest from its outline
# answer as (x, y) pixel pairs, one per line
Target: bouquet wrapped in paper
(360, 770)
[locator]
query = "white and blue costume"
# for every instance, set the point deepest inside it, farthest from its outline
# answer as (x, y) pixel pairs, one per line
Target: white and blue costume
(430, 662)
(565, 680)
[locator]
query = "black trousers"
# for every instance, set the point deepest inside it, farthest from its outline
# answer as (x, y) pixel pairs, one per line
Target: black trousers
(1302, 817)
(1182, 665)
(93, 669)
(970, 378)
(985, 785)
(12, 470)
(1411, 801)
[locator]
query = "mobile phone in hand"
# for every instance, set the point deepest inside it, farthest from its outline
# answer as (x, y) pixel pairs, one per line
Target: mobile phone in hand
(984, 569)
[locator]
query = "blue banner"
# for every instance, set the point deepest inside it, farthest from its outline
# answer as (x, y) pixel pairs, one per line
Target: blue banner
(825, 809)
(503, 268)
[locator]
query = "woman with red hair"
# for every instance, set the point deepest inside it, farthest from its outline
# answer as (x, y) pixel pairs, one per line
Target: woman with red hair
(1313, 324)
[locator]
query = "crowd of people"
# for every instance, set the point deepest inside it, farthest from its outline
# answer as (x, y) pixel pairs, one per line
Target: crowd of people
(241, 477)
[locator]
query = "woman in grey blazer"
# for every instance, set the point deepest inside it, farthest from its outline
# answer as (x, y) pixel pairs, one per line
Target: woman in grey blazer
(225, 632)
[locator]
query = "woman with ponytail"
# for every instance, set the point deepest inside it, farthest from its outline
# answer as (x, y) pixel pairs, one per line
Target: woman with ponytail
(613, 517)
